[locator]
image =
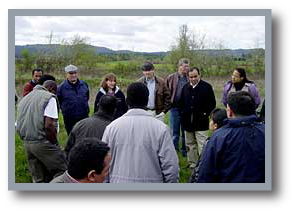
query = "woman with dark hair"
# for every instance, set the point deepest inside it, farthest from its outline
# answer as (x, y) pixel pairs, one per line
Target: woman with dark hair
(109, 87)
(240, 82)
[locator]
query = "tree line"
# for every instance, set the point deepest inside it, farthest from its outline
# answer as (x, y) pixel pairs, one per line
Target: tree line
(188, 44)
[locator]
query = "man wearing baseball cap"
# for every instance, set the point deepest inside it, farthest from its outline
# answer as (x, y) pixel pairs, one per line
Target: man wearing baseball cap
(73, 97)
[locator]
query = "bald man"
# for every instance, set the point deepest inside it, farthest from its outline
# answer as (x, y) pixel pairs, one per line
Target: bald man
(37, 119)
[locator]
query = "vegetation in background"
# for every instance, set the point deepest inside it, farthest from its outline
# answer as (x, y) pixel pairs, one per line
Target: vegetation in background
(211, 57)
(216, 67)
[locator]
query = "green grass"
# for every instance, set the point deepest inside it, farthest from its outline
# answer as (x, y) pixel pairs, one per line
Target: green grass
(185, 172)
(22, 174)
(183, 163)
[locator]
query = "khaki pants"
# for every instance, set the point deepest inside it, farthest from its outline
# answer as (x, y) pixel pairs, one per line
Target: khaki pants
(160, 116)
(194, 143)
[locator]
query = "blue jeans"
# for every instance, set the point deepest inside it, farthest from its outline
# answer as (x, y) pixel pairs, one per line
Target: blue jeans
(176, 127)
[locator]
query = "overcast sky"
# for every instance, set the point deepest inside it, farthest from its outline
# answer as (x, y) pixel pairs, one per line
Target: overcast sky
(143, 33)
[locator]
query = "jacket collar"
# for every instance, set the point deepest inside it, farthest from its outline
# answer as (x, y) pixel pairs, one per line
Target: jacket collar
(104, 92)
(178, 75)
(230, 84)
(69, 178)
(144, 80)
(137, 111)
(199, 82)
(103, 116)
(241, 121)
(32, 82)
(69, 85)
(40, 87)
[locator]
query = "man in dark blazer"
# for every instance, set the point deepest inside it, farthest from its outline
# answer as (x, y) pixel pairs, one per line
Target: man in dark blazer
(196, 103)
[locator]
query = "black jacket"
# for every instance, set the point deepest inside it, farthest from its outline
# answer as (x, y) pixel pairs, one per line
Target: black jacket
(262, 112)
(196, 105)
(122, 107)
(88, 127)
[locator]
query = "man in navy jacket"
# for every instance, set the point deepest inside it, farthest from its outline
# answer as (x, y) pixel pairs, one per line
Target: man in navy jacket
(73, 97)
(235, 153)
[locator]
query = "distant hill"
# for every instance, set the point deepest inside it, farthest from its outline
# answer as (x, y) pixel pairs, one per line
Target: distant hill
(44, 48)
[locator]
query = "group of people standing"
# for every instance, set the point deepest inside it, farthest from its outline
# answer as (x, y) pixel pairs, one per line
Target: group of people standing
(135, 143)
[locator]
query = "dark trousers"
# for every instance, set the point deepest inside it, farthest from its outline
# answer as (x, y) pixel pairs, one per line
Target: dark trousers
(70, 122)
(177, 127)
(45, 160)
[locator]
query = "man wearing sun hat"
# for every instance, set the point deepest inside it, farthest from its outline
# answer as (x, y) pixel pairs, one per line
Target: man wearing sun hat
(73, 97)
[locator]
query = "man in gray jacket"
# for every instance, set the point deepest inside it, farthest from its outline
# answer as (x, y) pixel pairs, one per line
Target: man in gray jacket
(141, 146)
(36, 124)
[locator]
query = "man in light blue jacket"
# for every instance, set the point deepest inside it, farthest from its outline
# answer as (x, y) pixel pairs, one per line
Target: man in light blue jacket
(141, 146)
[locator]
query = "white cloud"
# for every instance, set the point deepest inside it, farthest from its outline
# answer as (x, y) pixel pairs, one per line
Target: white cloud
(141, 33)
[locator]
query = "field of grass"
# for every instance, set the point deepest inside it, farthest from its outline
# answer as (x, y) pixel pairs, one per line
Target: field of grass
(22, 174)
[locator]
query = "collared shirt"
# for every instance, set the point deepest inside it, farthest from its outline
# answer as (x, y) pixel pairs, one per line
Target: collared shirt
(71, 178)
(151, 88)
(193, 86)
(181, 83)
